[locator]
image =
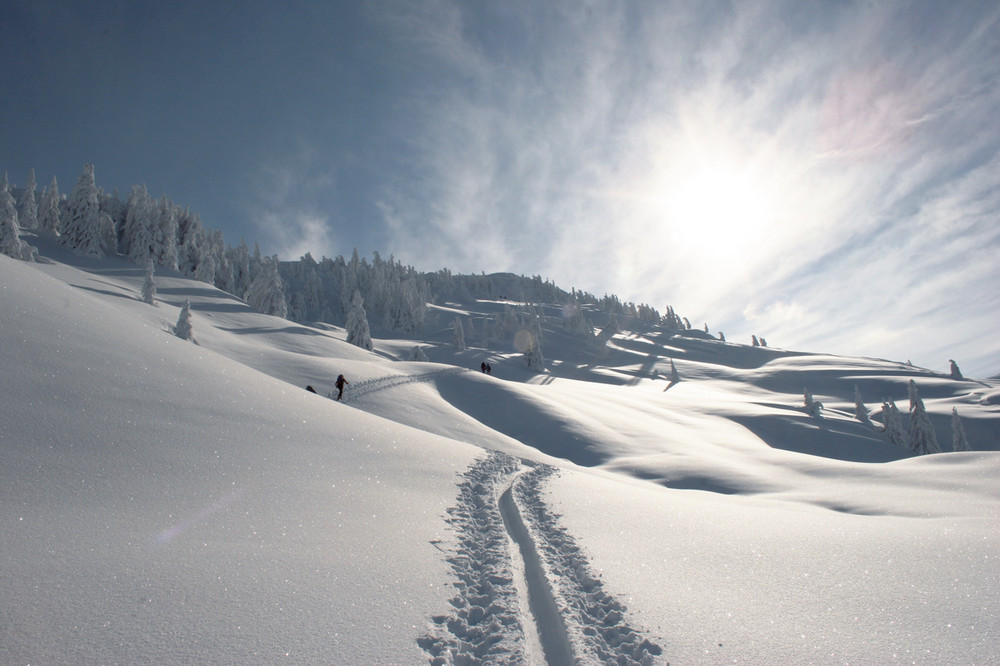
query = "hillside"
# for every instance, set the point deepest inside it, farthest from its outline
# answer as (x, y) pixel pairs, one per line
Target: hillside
(163, 501)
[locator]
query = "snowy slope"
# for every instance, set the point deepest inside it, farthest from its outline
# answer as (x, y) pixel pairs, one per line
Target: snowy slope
(163, 501)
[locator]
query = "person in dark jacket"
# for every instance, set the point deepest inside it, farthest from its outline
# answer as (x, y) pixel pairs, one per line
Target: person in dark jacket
(340, 386)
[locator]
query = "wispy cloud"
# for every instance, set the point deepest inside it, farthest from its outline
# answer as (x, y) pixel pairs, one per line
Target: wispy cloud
(583, 141)
(289, 207)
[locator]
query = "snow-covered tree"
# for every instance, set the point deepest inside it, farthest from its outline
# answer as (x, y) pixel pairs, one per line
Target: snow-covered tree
(417, 354)
(458, 335)
(754, 341)
(722, 336)
(860, 410)
(955, 372)
(28, 213)
(239, 257)
(10, 231)
(533, 357)
(148, 286)
(959, 442)
(601, 339)
(189, 249)
(109, 232)
(913, 395)
(183, 328)
(165, 234)
(674, 377)
(357, 323)
(813, 407)
(892, 423)
(573, 319)
(266, 293)
(82, 230)
(214, 248)
(205, 268)
(297, 307)
(48, 212)
(923, 439)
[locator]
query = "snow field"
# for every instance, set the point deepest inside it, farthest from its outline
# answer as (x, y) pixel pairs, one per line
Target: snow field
(170, 502)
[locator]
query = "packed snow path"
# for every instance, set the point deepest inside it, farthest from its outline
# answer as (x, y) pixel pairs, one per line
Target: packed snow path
(552, 633)
(577, 621)
(354, 391)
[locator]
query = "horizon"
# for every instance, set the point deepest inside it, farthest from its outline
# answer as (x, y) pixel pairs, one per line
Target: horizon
(825, 176)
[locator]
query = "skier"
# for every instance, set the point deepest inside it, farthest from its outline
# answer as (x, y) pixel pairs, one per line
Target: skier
(340, 386)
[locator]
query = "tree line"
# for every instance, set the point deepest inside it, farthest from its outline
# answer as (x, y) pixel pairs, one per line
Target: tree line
(143, 228)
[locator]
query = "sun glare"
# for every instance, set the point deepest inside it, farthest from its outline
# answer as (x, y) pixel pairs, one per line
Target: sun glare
(719, 211)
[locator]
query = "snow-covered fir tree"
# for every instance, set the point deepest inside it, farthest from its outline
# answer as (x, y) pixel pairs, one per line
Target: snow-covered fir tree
(239, 257)
(533, 357)
(954, 371)
(923, 439)
(148, 285)
(10, 231)
(48, 212)
(108, 232)
(28, 212)
(358, 332)
(722, 336)
(139, 232)
(266, 293)
(82, 228)
(573, 318)
(183, 329)
(458, 335)
(860, 410)
(813, 407)
(610, 329)
(959, 442)
(190, 241)
(674, 376)
(418, 354)
(892, 423)
(165, 234)
(205, 269)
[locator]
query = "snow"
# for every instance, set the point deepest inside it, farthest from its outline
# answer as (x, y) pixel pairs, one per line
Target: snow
(168, 501)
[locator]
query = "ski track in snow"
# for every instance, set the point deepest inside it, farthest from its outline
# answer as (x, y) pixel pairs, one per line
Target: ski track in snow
(596, 621)
(486, 625)
(578, 621)
(360, 389)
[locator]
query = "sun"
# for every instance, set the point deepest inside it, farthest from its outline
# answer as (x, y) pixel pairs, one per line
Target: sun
(719, 209)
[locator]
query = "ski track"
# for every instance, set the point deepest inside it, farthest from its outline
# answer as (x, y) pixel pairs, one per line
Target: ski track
(354, 391)
(596, 621)
(486, 625)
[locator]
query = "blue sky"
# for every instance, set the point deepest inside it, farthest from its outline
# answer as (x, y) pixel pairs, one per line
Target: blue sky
(823, 174)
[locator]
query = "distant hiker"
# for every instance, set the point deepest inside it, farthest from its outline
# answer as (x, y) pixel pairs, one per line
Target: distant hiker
(340, 386)
(311, 389)
(482, 366)
(489, 370)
